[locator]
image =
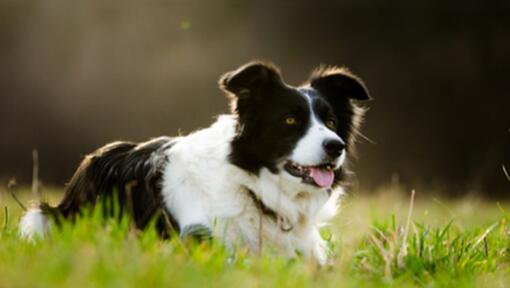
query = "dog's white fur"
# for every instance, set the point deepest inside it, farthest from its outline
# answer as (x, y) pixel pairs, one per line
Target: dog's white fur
(219, 200)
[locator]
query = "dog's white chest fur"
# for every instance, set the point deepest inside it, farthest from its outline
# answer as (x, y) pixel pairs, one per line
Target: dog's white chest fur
(200, 186)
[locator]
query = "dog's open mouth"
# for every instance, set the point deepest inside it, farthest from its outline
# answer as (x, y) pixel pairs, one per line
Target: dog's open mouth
(321, 176)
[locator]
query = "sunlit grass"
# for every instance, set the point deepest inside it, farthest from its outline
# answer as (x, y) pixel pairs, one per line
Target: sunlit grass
(462, 243)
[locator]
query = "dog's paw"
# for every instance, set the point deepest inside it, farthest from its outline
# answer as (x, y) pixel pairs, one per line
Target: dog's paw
(196, 232)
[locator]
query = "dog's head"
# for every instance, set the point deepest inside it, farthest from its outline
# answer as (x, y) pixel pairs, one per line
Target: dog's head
(303, 133)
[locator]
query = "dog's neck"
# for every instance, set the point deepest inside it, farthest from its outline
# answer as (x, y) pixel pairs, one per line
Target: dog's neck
(283, 223)
(284, 201)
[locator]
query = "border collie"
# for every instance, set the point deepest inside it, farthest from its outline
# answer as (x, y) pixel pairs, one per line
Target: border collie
(268, 174)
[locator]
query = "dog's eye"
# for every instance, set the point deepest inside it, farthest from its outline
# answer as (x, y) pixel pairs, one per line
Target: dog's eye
(290, 120)
(331, 124)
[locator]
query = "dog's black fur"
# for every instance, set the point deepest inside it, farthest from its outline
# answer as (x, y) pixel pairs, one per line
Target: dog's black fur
(123, 172)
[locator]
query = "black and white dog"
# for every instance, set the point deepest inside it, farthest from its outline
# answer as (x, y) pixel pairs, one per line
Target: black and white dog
(269, 173)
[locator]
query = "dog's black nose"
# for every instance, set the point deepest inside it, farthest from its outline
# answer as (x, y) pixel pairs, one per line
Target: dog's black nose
(333, 147)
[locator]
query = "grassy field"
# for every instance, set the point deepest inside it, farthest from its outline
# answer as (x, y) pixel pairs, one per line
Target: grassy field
(462, 243)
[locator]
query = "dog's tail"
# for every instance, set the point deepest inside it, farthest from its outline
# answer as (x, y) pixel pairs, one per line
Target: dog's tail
(34, 224)
(126, 172)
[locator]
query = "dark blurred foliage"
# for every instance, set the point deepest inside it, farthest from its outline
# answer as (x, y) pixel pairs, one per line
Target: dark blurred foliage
(77, 74)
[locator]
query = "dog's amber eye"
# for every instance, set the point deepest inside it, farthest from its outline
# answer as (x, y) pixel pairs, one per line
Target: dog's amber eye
(331, 124)
(290, 120)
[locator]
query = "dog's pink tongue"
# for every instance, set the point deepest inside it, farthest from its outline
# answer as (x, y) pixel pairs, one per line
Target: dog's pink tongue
(322, 177)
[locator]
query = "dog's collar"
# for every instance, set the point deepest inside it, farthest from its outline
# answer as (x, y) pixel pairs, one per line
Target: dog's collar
(282, 221)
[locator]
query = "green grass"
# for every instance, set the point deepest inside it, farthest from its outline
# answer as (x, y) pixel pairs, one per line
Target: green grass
(463, 243)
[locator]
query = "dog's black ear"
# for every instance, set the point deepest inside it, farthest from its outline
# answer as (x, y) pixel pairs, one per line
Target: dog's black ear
(339, 82)
(250, 78)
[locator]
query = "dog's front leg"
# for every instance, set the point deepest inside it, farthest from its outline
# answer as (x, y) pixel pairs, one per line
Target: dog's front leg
(184, 203)
(316, 248)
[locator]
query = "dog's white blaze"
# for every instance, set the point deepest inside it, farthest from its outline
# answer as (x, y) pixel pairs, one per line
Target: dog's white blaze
(309, 150)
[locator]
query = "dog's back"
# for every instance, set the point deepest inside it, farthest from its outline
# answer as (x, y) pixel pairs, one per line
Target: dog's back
(126, 172)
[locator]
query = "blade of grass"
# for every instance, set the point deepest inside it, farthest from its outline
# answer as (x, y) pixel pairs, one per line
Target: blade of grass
(10, 186)
(6, 217)
(483, 236)
(403, 250)
(506, 172)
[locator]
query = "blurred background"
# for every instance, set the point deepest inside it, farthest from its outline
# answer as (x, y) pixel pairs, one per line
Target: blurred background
(75, 75)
